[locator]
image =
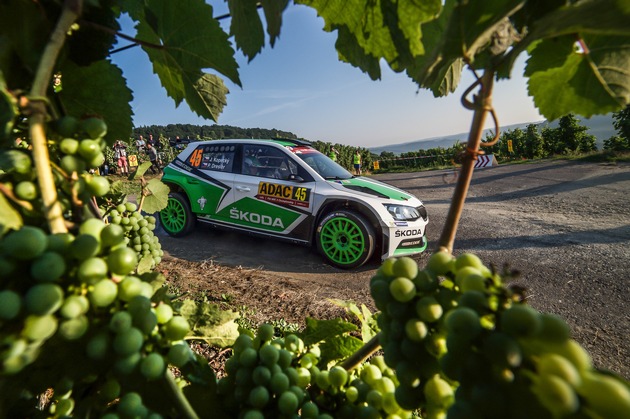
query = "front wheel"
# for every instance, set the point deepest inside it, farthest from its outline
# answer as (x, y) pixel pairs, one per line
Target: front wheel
(177, 219)
(345, 239)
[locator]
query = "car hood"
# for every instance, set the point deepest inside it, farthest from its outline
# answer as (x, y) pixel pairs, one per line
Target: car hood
(371, 187)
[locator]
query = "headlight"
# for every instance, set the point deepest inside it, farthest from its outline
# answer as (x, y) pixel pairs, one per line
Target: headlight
(403, 213)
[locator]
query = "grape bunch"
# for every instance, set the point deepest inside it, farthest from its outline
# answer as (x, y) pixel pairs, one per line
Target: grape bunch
(77, 299)
(465, 344)
(138, 230)
(281, 377)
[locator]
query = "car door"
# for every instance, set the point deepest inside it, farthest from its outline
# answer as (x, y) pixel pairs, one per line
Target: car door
(210, 182)
(267, 199)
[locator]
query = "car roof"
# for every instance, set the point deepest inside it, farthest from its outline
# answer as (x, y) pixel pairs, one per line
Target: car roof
(286, 142)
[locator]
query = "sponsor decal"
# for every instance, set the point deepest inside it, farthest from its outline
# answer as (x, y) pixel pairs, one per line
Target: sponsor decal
(401, 223)
(284, 194)
(183, 165)
(202, 202)
(408, 233)
(252, 217)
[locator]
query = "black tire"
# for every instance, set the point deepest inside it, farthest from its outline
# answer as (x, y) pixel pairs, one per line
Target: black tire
(177, 219)
(345, 239)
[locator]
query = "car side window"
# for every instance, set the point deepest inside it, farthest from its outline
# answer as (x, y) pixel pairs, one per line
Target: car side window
(264, 161)
(219, 158)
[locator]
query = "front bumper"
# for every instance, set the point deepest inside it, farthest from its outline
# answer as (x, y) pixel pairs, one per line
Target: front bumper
(404, 239)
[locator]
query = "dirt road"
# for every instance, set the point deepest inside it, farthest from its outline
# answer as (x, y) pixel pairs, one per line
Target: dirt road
(564, 225)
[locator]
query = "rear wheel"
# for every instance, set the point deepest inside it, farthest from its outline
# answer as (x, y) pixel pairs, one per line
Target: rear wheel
(177, 219)
(345, 239)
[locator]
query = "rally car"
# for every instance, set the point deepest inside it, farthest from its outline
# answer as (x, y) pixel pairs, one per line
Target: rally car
(286, 189)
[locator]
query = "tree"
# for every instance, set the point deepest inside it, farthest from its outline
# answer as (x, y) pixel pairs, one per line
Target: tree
(622, 122)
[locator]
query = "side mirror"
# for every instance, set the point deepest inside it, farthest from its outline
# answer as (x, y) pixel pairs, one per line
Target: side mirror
(295, 178)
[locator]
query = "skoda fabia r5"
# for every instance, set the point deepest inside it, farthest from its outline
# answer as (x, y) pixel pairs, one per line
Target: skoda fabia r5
(286, 189)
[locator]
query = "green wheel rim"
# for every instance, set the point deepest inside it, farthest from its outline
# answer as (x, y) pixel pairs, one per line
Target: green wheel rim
(342, 241)
(173, 217)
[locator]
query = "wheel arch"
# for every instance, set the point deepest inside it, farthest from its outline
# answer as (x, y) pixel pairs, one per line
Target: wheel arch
(331, 205)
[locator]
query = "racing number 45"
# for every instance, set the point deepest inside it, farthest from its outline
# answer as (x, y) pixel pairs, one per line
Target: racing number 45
(195, 158)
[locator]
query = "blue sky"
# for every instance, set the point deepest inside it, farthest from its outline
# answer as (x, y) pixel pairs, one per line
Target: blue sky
(300, 86)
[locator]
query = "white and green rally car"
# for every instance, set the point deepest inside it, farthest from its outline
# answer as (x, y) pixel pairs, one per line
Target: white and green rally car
(286, 189)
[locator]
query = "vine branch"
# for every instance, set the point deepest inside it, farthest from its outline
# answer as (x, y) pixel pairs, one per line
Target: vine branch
(482, 105)
(51, 206)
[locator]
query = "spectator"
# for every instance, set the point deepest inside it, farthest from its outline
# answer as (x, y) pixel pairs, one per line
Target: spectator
(120, 154)
(333, 154)
(357, 163)
(141, 144)
(151, 141)
(155, 160)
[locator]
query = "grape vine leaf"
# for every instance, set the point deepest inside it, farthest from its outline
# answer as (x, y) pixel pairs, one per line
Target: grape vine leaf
(145, 264)
(583, 82)
(369, 30)
(10, 218)
(273, 15)
(246, 27)
(158, 197)
(332, 337)
(98, 90)
(209, 323)
(181, 39)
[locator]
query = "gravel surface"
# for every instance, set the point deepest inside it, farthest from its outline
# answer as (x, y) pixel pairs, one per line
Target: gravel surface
(564, 225)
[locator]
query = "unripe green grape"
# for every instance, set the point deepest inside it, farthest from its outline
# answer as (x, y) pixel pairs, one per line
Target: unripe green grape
(426, 281)
(293, 343)
(390, 405)
(553, 328)
(120, 321)
(121, 208)
(128, 342)
(110, 390)
(405, 267)
(10, 304)
(26, 243)
(288, 403)
(338, 376)
(520, 320)
(66, 126)
(48, 267)
(72, 329)
(176, 329)
(128, 363)
(130, 405)
(59, 242)
(130, 287)
(559, 366)
(94, 127)
(98, 346)
(112, 234)
(463, 322)
(103, 293)
(371, 374)
(556, 395)
(253, 414)
(122, 261)
(428, 309)
(98, 185)
(152, 366)
(279, 383)
(146, 321)
(74, 306)
(248, 358)
(502, 350)
(352, 394)
(70, 164)
(164, 313)
(96, 161)
(93, 227)
(285, 358)
(26, 190)
(416, 330)
(474, 282)
(409, 398)
(180, 354)
(606, 395)
(572, 351)
(131, 207)
(374, 398)
(92, 270)
(84, 246)
(64, 408)
(402, 289)
(441, 263)
(8, 267)
(44, 299)
(310, 410)
(387, 268)
(258, 397)
(468, 259)
(88, 149)
(269, 355)
(438, 392)
(69, 146)
(475, 300)
(38, 328)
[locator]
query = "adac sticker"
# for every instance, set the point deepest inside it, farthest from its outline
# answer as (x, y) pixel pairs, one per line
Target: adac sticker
(284, 194)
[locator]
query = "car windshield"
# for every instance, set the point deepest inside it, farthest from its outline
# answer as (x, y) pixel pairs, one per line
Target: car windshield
(322, 164)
